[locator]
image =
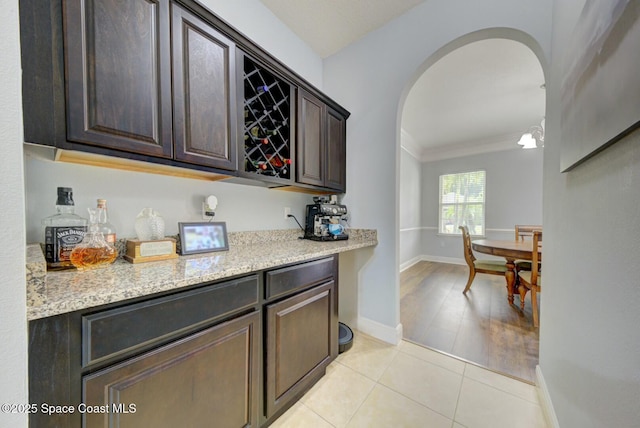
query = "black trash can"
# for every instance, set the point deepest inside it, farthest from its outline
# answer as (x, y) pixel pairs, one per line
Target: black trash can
(345, 338)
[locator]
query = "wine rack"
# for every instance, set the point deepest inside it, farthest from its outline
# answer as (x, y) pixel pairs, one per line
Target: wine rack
(267, 122)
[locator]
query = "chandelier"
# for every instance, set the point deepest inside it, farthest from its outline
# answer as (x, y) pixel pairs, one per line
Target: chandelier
(534, 134)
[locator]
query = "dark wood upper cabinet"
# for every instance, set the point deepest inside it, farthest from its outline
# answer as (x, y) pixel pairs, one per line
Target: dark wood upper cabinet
(336, 158)
(167, 83)
(311, 134)
(203, 92)
(118, 74)
(321, 144)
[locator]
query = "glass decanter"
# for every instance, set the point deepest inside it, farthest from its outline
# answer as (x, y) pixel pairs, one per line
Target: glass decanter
(94, 251)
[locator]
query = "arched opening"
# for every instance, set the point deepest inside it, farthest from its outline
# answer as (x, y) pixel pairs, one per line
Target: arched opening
(464, 111)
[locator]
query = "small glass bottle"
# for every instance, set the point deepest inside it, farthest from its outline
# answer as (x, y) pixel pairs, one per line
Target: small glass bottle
(94, 251)
(108, 230)
(62, 231)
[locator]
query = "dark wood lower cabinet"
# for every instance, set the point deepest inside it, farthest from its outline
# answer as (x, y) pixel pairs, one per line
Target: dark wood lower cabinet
(207, 379)
(233, 353)
(301, 341)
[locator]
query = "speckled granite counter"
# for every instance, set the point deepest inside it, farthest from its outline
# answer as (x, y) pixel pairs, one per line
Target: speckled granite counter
(53, 293)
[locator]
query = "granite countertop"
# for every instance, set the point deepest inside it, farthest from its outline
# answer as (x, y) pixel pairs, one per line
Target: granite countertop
(53, 293)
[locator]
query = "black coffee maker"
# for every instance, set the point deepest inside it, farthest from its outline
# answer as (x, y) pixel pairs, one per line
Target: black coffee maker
(323, 221)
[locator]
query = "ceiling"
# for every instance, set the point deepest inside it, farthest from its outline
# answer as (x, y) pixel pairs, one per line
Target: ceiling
(479, 98)
(330, 25)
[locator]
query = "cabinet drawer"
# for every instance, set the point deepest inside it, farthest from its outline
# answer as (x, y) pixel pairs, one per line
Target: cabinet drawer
(280, 282)
(126, 329)
(212, 375)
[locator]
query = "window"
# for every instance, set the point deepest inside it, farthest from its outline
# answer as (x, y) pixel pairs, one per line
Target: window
(462, 202)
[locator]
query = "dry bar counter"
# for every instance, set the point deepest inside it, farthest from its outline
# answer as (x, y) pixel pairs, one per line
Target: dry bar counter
(215, 336)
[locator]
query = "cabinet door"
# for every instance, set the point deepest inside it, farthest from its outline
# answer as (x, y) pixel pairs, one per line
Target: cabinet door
(118, 74)
(311, 130)
(336, 171)
(203, 92)
(207, 379)
(301, 341)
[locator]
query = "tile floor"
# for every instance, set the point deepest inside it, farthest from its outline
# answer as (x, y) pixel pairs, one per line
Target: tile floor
(375, 384)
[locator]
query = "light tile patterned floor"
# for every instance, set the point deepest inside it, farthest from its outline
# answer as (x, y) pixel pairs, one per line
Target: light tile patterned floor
(375, 384)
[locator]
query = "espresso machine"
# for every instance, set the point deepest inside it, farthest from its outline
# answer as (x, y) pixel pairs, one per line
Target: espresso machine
(323, 220)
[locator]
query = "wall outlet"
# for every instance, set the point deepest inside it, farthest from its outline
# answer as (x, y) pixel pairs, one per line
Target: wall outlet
(287, 211)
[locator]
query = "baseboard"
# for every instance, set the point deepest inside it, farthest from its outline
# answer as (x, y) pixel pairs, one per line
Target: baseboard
(380, 331)
(441, 259)
(545, 400)
(428, 258)
(406, 265)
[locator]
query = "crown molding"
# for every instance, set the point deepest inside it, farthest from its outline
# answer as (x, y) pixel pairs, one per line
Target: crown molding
(468, 148)
(409, 145)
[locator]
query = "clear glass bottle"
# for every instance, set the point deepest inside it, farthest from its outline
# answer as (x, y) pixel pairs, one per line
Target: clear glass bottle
(62, 231)
(94, 251)
(108, 230)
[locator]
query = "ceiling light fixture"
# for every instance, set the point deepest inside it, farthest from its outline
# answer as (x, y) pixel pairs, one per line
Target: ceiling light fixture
(533, 135)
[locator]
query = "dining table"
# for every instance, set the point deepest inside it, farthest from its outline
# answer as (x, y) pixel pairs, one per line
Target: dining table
(511, 250)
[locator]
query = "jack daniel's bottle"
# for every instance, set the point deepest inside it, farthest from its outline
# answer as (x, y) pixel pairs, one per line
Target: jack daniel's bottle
(63, 231)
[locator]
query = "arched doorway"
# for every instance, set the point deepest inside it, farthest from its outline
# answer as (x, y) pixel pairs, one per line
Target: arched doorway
(463, 110)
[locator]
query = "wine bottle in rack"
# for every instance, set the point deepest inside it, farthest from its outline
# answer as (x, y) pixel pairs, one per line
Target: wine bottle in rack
(258, 135)
(279, 162)
(257, 132)
(258, 166)
(257, 140)
(262, 165)
(264, 106)
(267, 126)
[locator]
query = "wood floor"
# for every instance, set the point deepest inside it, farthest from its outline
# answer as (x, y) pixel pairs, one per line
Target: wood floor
(480, 327)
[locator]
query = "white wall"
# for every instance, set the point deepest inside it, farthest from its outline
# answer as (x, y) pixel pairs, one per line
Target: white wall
(589, 341)
(253, 19)
(513, 196)
(13, 322)
(177, 199)
(410, 208)
(371, 79)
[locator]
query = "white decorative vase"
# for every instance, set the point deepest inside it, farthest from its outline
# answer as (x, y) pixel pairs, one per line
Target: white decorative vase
(149, 225)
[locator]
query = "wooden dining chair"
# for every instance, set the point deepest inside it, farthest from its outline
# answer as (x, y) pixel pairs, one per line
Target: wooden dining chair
(532, 279)
(524, 231)
(492, 267)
